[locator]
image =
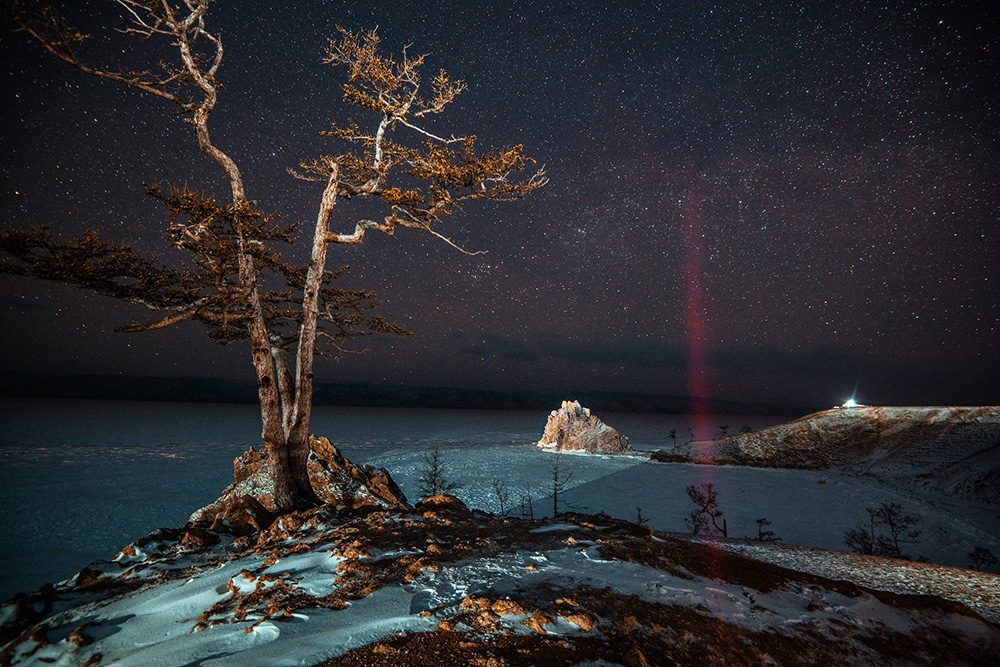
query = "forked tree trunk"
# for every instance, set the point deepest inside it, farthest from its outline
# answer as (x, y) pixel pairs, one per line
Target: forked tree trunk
(287, 491)
(291, 482)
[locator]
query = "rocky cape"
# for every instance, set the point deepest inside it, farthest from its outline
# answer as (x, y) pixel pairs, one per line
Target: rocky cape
(955, 448)
(573, 428)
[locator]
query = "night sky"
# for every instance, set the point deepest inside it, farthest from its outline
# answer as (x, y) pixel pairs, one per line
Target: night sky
(771, 202)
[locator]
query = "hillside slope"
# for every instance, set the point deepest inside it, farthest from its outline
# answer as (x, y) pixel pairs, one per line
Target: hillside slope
(957, 449)
(441, 584)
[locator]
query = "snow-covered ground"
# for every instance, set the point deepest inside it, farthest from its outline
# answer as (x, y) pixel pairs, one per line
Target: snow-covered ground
(807, 507)
(979, 591)
(589, 587)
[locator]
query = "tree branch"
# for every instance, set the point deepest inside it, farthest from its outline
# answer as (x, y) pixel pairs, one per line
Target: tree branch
(452, 140)
(454, 245)
(334, 344)
(359, 232)
(158, 324)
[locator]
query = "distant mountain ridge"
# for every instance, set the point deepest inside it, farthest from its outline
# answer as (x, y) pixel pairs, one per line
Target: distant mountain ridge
(213, 390)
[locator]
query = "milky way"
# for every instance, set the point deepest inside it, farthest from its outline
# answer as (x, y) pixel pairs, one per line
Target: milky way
(786, 201)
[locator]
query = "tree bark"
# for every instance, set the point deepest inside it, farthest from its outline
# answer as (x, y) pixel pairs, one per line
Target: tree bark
(286, 390)
(298, 425)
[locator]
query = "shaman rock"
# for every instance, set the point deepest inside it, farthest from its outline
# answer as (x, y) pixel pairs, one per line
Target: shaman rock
(572, 427)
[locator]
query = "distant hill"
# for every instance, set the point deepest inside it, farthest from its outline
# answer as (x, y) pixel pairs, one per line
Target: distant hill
(955, 448)
(211, 390)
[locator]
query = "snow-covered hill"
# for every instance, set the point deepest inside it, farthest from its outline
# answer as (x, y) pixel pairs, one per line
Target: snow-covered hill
(441, 584)
(956, 449)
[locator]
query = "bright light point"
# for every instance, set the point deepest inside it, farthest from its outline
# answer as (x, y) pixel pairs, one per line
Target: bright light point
(850, 403)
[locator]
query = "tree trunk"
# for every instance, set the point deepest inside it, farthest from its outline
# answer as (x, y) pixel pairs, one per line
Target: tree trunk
(298, 424)
(289, 488)
(275, 442)
(286, 391)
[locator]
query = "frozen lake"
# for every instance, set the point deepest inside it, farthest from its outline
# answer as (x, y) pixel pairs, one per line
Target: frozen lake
(80, 479)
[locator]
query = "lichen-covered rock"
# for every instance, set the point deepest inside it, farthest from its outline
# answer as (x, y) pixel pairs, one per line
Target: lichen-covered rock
(247, 505)
(583, 621)
(537, 622)
(572, 427)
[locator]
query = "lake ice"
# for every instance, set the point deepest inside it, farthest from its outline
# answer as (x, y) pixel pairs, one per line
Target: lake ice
(80, 479)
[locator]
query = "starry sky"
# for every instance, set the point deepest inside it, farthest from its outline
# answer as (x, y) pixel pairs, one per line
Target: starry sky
(758, 201)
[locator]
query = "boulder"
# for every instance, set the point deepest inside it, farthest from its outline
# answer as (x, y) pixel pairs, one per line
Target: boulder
(572, 427)
(247, 505)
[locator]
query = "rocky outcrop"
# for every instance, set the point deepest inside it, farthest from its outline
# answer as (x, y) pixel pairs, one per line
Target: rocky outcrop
(443, 507)
(345, 485)
(247, 505)
(572, 427)
(950, 449)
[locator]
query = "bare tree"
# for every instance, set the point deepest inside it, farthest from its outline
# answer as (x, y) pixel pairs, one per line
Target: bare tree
(860, 541)
(561, 477)
(764, 534)
(980, 557)
(901, 529)
(502, 492)
(705, 517)
(421, 178)
(527, 505)
(432, 479)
